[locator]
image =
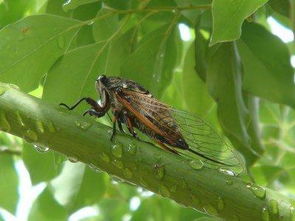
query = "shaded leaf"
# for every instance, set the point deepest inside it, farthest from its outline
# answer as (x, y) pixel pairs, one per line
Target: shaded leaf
(268, 72)
(228, 17)
(154, 60)
(29, 47)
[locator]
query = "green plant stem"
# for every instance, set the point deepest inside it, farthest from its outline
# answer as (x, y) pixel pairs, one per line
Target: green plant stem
(208, 190)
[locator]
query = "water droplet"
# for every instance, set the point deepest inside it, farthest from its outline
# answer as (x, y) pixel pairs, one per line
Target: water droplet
(196, 164)
(173, 188)
(31, 135)
(20, 119)
(274, 207)
(210, 210)
(220, 203)
(90, 22)
(41, 149)
(61, 42)
(84, 125)
(257, 190)
(131, 148)
(4, 124)
(226, 171)
(105, 157)
(161, 55)
(73, 159)
(127, 173)
(51, 127)
(117, 150)
(159, 171)
(118, 163)
(229, 182)
(39, 126)
(2, 90)
(164, 191)
(265, 214)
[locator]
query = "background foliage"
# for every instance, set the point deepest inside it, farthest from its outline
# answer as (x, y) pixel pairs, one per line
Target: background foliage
(229, 69)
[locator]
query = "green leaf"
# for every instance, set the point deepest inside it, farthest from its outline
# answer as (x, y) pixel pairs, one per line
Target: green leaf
(268, 72)
(72, 4)
(281, 6)
(195, 91)
(153, 61)
(105, 25)
(29, 47)
(79, 77)
(41, 166)
(83, 187)
(228, 17)
(47, 208)
(8, 183)
(224, 82)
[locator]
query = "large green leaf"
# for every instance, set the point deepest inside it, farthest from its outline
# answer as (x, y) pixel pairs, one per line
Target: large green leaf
(29, 47)
(196, 94)
(78, 186)
(41, 166)
(47, 208)
(8, 183)
(266, 60)
(78, 76)
(224, 82)
(153, 62)
(228, 17)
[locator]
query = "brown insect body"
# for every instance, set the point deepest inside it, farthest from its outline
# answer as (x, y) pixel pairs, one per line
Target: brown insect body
(135, 107)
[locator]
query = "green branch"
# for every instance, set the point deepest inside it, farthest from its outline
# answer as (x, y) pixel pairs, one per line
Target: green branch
(208, 190)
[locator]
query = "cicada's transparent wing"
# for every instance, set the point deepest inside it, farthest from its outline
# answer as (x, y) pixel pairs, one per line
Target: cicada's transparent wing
(203, 139)
(198, 134)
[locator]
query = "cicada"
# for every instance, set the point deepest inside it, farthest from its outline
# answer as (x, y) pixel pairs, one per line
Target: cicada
(174, 130)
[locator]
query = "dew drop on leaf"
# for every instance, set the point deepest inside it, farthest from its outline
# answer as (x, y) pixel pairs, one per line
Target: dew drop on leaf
(73, 159)
(40, 148)
(226, 171)
(117, 150)
(257, 190)
(196, 164)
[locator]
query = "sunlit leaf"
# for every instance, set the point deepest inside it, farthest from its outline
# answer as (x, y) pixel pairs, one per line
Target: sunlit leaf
(29, 47)
(228, 17)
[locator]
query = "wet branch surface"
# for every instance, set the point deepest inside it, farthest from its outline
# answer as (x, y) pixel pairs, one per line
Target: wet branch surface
(208, 190)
